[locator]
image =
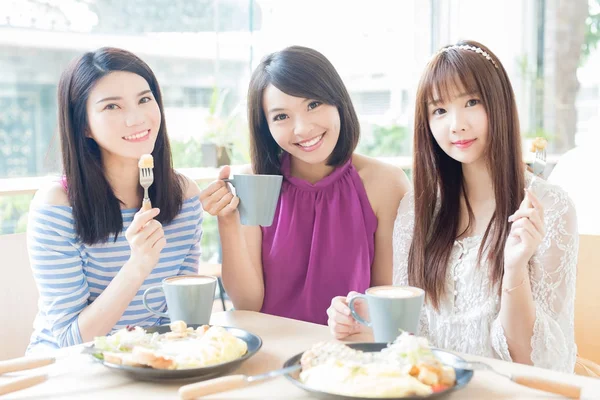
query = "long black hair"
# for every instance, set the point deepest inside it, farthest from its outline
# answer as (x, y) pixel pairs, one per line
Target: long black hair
(96, 209)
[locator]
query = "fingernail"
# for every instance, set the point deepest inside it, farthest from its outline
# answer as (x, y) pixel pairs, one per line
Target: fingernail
(510, 219)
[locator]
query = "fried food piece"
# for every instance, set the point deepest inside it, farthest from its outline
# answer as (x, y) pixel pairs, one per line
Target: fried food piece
(202, 329)
(113, 358)
(428, 375)
(412, 370)
(146, 161)
(178, 326)
(120, 359)
(175, 335)
(448, 376)
(148, 357)
(179, 330)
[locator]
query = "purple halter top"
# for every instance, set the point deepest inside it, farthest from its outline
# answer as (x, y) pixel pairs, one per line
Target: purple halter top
(321, 244)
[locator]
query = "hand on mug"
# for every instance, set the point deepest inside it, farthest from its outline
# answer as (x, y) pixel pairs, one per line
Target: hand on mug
(340, 321)
(217, 198)
(146, 239)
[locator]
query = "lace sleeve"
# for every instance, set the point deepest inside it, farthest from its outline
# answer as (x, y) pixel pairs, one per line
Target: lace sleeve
(553, 270)
(402, 239)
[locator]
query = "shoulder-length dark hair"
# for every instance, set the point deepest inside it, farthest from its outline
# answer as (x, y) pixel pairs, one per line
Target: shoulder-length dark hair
(438, 178)
(299, 72)
(96, 209)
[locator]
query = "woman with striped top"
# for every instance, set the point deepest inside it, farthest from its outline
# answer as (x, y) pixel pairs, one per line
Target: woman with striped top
(93, 254)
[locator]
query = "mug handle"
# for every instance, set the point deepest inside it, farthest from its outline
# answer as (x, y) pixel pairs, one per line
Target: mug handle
(145, 301)
(354, 313)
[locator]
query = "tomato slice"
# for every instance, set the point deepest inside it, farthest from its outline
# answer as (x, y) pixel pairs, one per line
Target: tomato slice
(439, 388)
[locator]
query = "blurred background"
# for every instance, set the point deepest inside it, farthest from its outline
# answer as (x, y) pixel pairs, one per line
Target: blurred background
(203, 52)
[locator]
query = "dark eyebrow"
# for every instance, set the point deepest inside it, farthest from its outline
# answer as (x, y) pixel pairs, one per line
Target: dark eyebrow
(277, 109)
(438, 101)
(143, 92)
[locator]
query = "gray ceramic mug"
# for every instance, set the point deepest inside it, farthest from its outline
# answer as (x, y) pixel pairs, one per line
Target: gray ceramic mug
(258, 196)
(189, 298)
(392, 309)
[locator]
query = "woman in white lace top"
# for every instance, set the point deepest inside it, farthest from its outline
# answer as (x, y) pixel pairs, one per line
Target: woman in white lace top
(497, 263)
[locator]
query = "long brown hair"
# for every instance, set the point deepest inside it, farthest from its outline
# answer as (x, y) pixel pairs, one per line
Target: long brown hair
(96, 209)
(438, 178)
(299, 72)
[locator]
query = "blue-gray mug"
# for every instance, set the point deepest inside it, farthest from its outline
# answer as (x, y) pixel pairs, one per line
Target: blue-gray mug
(258, 196)
(189, 298)
(392, 310)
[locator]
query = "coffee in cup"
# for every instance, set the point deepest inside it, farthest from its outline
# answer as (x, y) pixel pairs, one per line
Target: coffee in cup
(189, 298)
(395, 291)
(191, 280)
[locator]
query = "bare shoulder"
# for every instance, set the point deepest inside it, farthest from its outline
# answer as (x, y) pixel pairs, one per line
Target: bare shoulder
(51, 194)
(190, 187)
(381, 177)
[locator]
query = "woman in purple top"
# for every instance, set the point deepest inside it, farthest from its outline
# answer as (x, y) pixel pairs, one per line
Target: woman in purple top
(332, 231)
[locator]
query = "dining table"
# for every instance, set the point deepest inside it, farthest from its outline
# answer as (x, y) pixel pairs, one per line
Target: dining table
(76, 375)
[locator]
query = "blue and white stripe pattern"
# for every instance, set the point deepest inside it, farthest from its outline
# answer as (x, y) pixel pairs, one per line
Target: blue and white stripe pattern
(70, 275)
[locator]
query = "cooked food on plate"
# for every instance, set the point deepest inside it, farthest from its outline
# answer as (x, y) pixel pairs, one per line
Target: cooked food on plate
(181, 348)
(407, 367)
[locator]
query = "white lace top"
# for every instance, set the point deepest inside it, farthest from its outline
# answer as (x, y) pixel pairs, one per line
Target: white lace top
(468, 319)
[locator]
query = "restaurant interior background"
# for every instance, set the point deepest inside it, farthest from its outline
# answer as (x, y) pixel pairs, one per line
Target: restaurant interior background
(203, 52)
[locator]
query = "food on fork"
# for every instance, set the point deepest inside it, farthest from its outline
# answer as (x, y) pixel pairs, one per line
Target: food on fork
(406, 367)
(184, 347)
(539, 143)
(146, 161)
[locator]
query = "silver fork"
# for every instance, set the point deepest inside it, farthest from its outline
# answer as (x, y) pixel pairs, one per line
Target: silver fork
(538, 167)
(546, 385)
(146, 180)
(539, 164)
